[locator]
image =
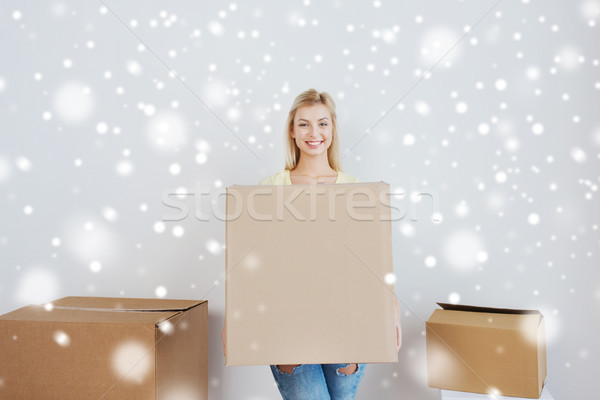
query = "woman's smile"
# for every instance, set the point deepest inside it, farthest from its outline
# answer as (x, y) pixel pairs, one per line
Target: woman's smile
(314, 144)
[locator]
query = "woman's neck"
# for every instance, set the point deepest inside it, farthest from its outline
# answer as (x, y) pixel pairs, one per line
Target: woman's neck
(313, 166)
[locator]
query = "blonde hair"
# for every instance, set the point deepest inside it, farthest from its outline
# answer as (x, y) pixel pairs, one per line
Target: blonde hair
(292, 151)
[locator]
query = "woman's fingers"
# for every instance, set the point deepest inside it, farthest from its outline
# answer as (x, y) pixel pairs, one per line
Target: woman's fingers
(398, 314)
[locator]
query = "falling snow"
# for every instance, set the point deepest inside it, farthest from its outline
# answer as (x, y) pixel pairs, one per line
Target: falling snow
(484, 124)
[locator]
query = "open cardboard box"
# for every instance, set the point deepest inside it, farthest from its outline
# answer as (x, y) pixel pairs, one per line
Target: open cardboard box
(306, 274)
(486, 350)
(105, 348)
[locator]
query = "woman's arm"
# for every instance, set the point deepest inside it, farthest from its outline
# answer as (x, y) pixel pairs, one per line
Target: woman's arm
(224, 339)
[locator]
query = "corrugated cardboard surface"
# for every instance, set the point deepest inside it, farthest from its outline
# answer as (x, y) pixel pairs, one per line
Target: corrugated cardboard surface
(453, 395)
(485, 350)
(34, 366)
(125, 304)
(301, 288)
(102, 348)
(182, 357)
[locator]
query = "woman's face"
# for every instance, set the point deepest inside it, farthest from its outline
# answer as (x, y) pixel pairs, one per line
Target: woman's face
(312, 129)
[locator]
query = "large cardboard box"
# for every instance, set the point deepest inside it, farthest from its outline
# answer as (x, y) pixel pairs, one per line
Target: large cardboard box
(453, 395)
(105, 348)
(486, 350)
(306, 274)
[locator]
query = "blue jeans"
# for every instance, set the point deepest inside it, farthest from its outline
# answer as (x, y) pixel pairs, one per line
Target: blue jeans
(318, 382)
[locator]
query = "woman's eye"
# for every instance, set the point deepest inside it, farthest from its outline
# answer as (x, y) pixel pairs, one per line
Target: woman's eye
(305, 124)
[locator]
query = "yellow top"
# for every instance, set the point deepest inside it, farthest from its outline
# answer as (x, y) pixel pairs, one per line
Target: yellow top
(283, 178)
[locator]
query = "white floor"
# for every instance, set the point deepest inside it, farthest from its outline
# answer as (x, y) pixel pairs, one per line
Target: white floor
(452, 395)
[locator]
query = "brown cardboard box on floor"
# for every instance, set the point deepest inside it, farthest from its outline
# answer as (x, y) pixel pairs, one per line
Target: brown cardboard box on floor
(105, 348)
(486, 350)
(306, 274)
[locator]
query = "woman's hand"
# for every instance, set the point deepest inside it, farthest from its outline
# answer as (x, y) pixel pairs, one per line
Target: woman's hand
(398, 314)
(223, 338)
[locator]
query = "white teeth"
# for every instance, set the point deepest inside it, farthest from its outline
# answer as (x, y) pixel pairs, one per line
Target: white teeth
(313, 143)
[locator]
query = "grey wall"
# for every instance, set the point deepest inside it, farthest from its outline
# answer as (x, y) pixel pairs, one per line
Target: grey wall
(504, 134)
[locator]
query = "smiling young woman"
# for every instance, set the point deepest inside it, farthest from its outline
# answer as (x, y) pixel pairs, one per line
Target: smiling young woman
(312, 156)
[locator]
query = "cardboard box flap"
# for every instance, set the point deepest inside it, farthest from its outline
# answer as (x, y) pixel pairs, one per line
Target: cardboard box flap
(463, 307)
(40, 313)
(528, 322)
(125, 304)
